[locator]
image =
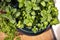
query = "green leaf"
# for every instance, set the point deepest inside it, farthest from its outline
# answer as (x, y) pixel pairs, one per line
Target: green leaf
(28, 6)
(17, 14)
(49, 17)
(33, 17)
(49, 11)
(43, 13)
(29, 24)
(54, 11)
(24, 13)
(54, 21)
(39, 25)
(26, 21)
(28, 3)
(35, 7)
(20, 25)
(45, 24)
(28, 9)
(12, 21)
(33, 13)
(8, 17)
(50, 3)
(35, 29)
(43, 3)
(7, 9)
(21, 3)
(38, 1)
(14, 10)
(34, 1)
(43, 19)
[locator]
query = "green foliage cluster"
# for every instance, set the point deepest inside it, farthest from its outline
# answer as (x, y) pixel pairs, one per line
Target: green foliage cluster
(32, 13)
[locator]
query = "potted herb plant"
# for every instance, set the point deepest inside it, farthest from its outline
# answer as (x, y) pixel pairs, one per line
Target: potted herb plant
(36, 15)
(29, 16)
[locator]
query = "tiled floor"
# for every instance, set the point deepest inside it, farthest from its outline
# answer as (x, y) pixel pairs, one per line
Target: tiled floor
(44, 36)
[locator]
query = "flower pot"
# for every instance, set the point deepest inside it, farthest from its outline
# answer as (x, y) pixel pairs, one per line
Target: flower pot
(29, 32)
